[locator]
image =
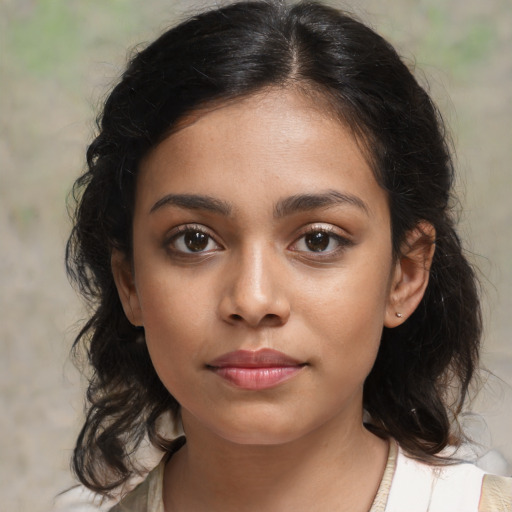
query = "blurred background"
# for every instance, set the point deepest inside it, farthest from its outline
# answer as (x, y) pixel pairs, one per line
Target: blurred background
(58, 58)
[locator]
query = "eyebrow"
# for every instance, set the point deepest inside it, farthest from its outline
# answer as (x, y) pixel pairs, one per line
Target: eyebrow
(193, 202)
(285, 207)
(305, 202)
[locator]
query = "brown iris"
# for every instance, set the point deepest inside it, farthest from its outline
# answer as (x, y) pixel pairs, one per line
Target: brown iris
(196, 241)
(317, 241)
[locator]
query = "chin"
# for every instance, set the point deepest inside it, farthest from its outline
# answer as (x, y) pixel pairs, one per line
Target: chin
(266, 433)
(260, 439)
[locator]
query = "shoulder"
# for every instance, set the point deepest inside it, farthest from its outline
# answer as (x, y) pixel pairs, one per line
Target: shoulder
(147, 496)
(418, 486)
(496, 494)
(81, 499)
(141, 493)
(144, 496)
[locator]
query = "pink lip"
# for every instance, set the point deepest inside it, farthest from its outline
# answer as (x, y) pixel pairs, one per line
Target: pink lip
(254, 370)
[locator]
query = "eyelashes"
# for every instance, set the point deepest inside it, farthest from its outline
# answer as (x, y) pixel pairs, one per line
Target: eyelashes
(318, 241)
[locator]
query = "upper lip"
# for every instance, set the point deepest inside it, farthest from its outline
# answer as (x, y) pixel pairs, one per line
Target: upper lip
(263, 358)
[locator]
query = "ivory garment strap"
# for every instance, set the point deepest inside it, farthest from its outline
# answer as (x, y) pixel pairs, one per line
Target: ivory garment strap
(420, 487)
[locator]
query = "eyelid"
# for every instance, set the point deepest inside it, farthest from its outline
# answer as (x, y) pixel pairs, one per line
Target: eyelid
(324, 228)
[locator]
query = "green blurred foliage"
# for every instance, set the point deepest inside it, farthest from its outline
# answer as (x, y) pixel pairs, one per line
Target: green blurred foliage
(54, 38)
(458, 48)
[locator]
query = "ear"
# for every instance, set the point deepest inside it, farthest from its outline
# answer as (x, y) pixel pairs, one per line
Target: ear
(125, 284)
(411, 274)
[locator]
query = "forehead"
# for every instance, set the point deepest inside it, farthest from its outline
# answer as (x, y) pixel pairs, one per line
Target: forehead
(274, 143)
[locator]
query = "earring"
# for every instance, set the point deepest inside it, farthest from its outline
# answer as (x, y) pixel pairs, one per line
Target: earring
(399, 315)
(140, 338)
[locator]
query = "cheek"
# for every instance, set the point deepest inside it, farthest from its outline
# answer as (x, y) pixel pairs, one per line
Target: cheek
(177, 316)
(346, 313)
(350, 297)
(173, 299)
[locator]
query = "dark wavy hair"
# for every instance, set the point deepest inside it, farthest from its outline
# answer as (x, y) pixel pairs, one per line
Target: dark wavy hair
(424, 367)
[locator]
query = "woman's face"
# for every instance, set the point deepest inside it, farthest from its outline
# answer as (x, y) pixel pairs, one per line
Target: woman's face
(262, 269)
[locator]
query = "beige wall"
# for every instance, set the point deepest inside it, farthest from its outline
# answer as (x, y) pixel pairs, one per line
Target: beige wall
(57, 59)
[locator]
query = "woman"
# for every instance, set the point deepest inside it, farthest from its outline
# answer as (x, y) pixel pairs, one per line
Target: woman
(265, 233)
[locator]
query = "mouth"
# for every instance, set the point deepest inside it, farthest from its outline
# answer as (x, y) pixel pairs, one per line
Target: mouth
(255, 370)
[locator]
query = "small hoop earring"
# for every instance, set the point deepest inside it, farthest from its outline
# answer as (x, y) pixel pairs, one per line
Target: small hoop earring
(399, 315)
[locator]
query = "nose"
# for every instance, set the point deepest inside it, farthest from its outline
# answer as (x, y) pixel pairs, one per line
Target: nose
(254, 294)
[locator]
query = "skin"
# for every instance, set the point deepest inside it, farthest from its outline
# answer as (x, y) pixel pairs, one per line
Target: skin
(258, 281)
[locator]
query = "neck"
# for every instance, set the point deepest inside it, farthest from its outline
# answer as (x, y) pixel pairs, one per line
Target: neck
(330, 468)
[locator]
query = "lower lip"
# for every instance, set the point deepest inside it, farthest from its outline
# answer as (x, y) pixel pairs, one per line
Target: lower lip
(257, 378)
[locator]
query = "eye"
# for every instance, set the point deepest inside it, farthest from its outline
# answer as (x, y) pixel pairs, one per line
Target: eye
(191, 240)
(322, 240)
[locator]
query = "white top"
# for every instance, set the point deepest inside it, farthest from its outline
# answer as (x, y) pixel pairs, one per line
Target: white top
(421, 487)
(408, 485)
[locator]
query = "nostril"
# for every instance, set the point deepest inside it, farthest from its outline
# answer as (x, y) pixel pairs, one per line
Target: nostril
(272, 320)
(269, 319)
